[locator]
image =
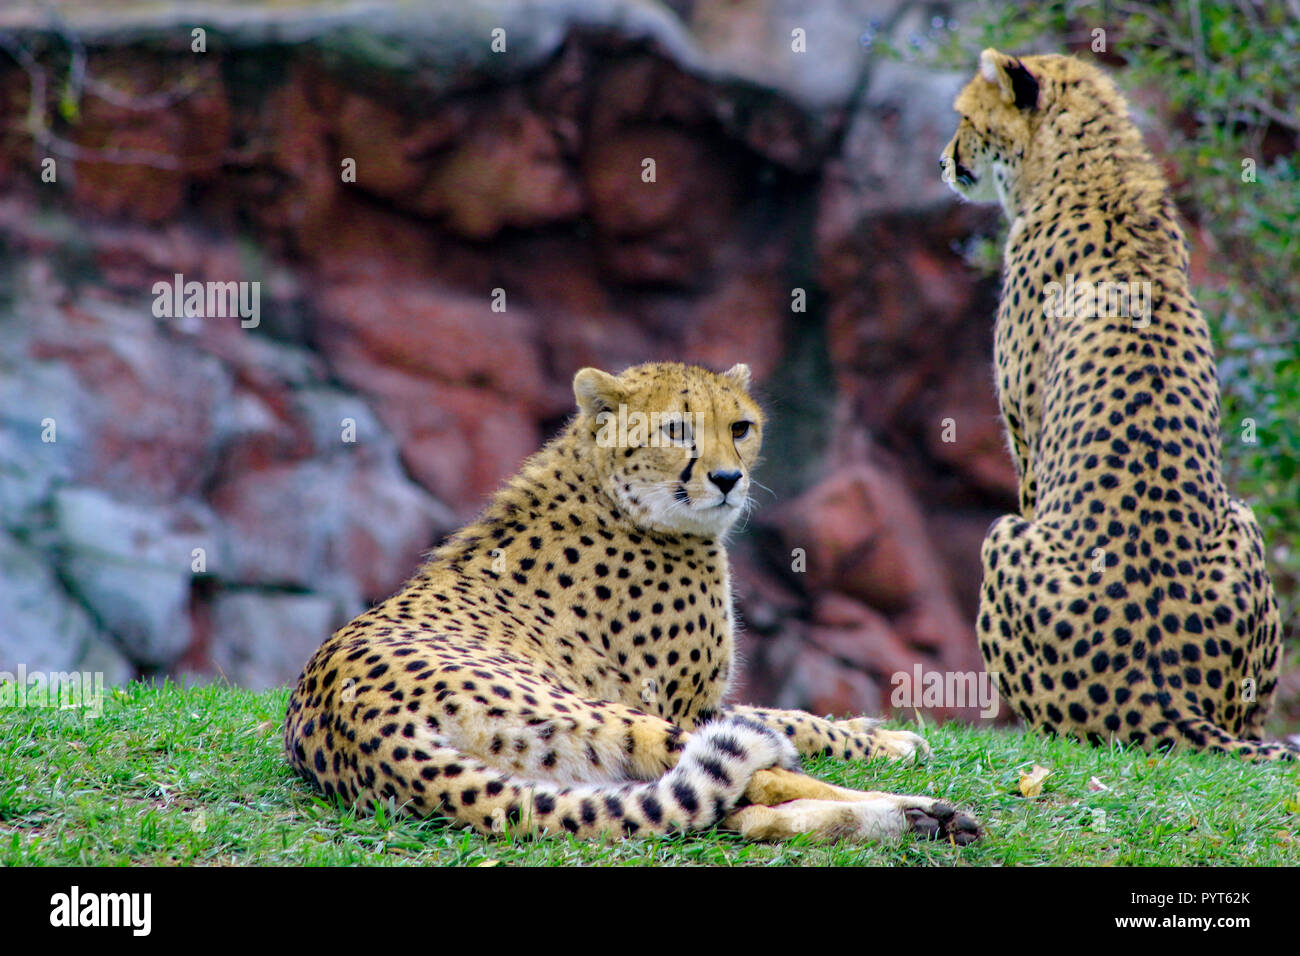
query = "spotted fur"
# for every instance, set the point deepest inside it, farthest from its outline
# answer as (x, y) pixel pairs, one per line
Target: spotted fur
(1129, 599)
(562, 664)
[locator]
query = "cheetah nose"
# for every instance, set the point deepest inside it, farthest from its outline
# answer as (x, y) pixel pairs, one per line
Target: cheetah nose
(725, 480)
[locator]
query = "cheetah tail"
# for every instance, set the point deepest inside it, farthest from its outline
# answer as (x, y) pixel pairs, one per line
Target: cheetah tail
(1203, 734)
(707, 782)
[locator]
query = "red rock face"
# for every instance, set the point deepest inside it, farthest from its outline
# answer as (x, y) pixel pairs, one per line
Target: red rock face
(478, 167)
(459, 385)
(883, 602)
(496, 238)
(138, 153)
(146, 410)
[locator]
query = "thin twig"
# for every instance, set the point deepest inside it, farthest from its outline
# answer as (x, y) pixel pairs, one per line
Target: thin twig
(141, 101)
(38, 129)
(1278, 116)
(1198, 38)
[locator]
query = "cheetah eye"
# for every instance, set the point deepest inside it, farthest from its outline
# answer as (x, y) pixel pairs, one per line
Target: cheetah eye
(740, 429)
(677, 430)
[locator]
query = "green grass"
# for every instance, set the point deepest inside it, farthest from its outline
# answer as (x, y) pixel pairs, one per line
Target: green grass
(196, 776)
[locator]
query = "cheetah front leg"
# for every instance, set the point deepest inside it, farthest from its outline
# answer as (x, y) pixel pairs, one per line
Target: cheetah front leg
(851, 739)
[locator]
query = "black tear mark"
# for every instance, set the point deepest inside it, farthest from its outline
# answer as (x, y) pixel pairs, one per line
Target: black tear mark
(686, 472)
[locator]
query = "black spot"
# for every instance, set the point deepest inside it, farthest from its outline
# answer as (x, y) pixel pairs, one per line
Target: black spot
(650, 806)
(685, 796)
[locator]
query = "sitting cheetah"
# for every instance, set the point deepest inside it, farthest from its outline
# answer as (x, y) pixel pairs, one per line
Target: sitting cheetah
(561, 664)
(1129, 599)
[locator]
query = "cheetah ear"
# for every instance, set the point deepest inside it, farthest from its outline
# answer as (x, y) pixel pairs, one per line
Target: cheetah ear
(596, 391)
(739, 373)
(1018, 86)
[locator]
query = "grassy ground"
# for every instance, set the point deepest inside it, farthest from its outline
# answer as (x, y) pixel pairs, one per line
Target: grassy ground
(167, 776)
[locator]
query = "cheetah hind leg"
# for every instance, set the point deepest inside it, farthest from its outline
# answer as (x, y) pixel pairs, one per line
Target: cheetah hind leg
(785, 804)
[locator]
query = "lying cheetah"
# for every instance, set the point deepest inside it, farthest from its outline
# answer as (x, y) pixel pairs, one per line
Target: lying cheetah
(561, 665)
(1129, 599)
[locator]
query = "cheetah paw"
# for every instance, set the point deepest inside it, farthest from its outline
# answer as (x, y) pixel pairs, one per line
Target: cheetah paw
(943, 821)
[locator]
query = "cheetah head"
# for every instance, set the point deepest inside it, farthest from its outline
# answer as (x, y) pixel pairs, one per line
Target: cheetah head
(1015, 114)
(673, 445)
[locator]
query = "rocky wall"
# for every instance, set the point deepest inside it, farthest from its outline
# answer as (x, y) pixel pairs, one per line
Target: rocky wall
(442, 234)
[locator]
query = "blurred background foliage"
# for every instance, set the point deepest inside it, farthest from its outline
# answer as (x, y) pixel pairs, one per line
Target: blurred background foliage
(1226, 78)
